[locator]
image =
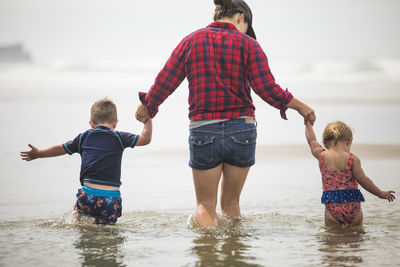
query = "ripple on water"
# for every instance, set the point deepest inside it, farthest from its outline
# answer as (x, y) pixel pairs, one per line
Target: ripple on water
(172, 238)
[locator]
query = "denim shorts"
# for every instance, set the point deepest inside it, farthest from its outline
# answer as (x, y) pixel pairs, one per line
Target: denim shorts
(232, 142)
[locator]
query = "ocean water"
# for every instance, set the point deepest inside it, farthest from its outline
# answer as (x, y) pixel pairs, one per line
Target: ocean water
(282, 224)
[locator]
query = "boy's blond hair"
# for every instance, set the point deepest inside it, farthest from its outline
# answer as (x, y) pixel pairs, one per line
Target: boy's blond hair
(103, 111)
(336, 131)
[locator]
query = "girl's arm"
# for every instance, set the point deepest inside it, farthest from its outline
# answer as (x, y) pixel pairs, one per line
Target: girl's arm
(315, 147)
(35, 153)
(367, 183)
(145, 136)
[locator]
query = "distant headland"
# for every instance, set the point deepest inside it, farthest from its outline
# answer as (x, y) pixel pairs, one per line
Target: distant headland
(14, 53)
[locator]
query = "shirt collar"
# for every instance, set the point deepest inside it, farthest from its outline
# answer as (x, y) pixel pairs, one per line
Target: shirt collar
(101, 127)
(222, 25)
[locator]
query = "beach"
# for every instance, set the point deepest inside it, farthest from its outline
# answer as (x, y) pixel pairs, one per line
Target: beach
(282, 219)
(339, 57)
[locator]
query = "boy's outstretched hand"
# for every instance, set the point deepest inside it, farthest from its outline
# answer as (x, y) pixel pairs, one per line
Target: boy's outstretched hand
(30, 155)
(35, 153)
(141, 113)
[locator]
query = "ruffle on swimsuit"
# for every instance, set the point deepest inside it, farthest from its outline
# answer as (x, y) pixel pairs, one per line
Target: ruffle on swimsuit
(346, 195)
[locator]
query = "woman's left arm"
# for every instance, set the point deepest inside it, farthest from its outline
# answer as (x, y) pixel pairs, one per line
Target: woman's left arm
(263, 83)
(304, 110)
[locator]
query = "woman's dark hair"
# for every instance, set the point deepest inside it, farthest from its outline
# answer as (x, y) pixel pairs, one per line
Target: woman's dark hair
(226, 9)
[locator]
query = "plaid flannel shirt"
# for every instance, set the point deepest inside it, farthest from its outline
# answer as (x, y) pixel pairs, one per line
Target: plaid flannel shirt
(221, 65)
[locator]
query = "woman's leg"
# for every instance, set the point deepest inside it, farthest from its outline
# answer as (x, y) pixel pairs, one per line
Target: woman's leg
(206, 187)
(232, 184)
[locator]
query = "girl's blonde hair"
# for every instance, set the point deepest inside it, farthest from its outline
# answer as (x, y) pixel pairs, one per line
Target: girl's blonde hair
(336, 131)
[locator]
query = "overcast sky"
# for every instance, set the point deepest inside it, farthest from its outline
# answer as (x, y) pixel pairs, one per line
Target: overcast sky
(128, 29)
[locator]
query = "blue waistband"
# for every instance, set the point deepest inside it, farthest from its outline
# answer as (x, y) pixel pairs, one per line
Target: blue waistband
(100, 192)
(346, 195)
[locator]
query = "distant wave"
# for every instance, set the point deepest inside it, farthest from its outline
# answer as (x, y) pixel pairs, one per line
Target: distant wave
(340, 70)
(351, 79)
(387, 66)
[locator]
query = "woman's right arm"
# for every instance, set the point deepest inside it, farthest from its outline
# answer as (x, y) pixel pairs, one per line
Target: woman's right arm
(167, 80)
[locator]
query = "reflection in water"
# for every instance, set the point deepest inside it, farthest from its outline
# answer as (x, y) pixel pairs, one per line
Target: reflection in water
(100, 246)
(342, 247)
(223, 246)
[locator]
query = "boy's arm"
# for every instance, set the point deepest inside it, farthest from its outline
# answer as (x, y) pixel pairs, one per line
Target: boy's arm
(35, 153)
(367, 183)
(145, 136)
(315, 147)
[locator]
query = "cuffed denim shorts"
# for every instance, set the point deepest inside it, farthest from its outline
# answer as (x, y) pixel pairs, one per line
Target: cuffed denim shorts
(232, 142)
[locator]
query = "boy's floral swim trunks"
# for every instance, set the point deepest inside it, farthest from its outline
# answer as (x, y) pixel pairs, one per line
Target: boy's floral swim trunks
(105, 210)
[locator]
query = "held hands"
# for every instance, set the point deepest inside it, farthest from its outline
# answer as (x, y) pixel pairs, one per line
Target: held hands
(389, 195)
(141, 113)
(308, 114)
(30, 155)
(308, 123)
(305, 111)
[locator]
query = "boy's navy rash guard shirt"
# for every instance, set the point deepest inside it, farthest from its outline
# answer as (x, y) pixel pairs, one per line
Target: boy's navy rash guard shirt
(101, 154)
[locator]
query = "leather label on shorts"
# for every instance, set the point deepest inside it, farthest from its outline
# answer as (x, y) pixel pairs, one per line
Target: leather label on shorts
(249, 120)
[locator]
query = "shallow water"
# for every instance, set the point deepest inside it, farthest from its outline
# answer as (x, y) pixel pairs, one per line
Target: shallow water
(164, 239)
(282, 221)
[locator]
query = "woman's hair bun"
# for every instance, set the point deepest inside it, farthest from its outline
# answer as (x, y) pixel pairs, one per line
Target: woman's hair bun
(223, 3)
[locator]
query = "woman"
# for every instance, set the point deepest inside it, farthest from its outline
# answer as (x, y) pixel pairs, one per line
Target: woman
(222, 62)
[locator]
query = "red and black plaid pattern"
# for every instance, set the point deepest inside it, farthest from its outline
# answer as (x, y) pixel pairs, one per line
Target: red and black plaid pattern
(221, 65)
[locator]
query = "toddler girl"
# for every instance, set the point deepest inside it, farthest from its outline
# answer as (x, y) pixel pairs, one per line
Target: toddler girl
(341, 173)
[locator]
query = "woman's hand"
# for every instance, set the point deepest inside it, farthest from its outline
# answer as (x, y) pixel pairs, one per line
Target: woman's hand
(141, 113)
(307, 113)
(304, 110)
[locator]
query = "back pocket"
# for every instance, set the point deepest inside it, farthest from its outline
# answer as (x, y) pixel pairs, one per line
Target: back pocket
(244, 147)
(201, 149)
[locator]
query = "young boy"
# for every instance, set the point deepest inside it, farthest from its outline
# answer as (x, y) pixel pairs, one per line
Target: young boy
(101, 151)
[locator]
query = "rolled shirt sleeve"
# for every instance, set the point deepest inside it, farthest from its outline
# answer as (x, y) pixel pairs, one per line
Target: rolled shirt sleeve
(167, 80)
(263, 82)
